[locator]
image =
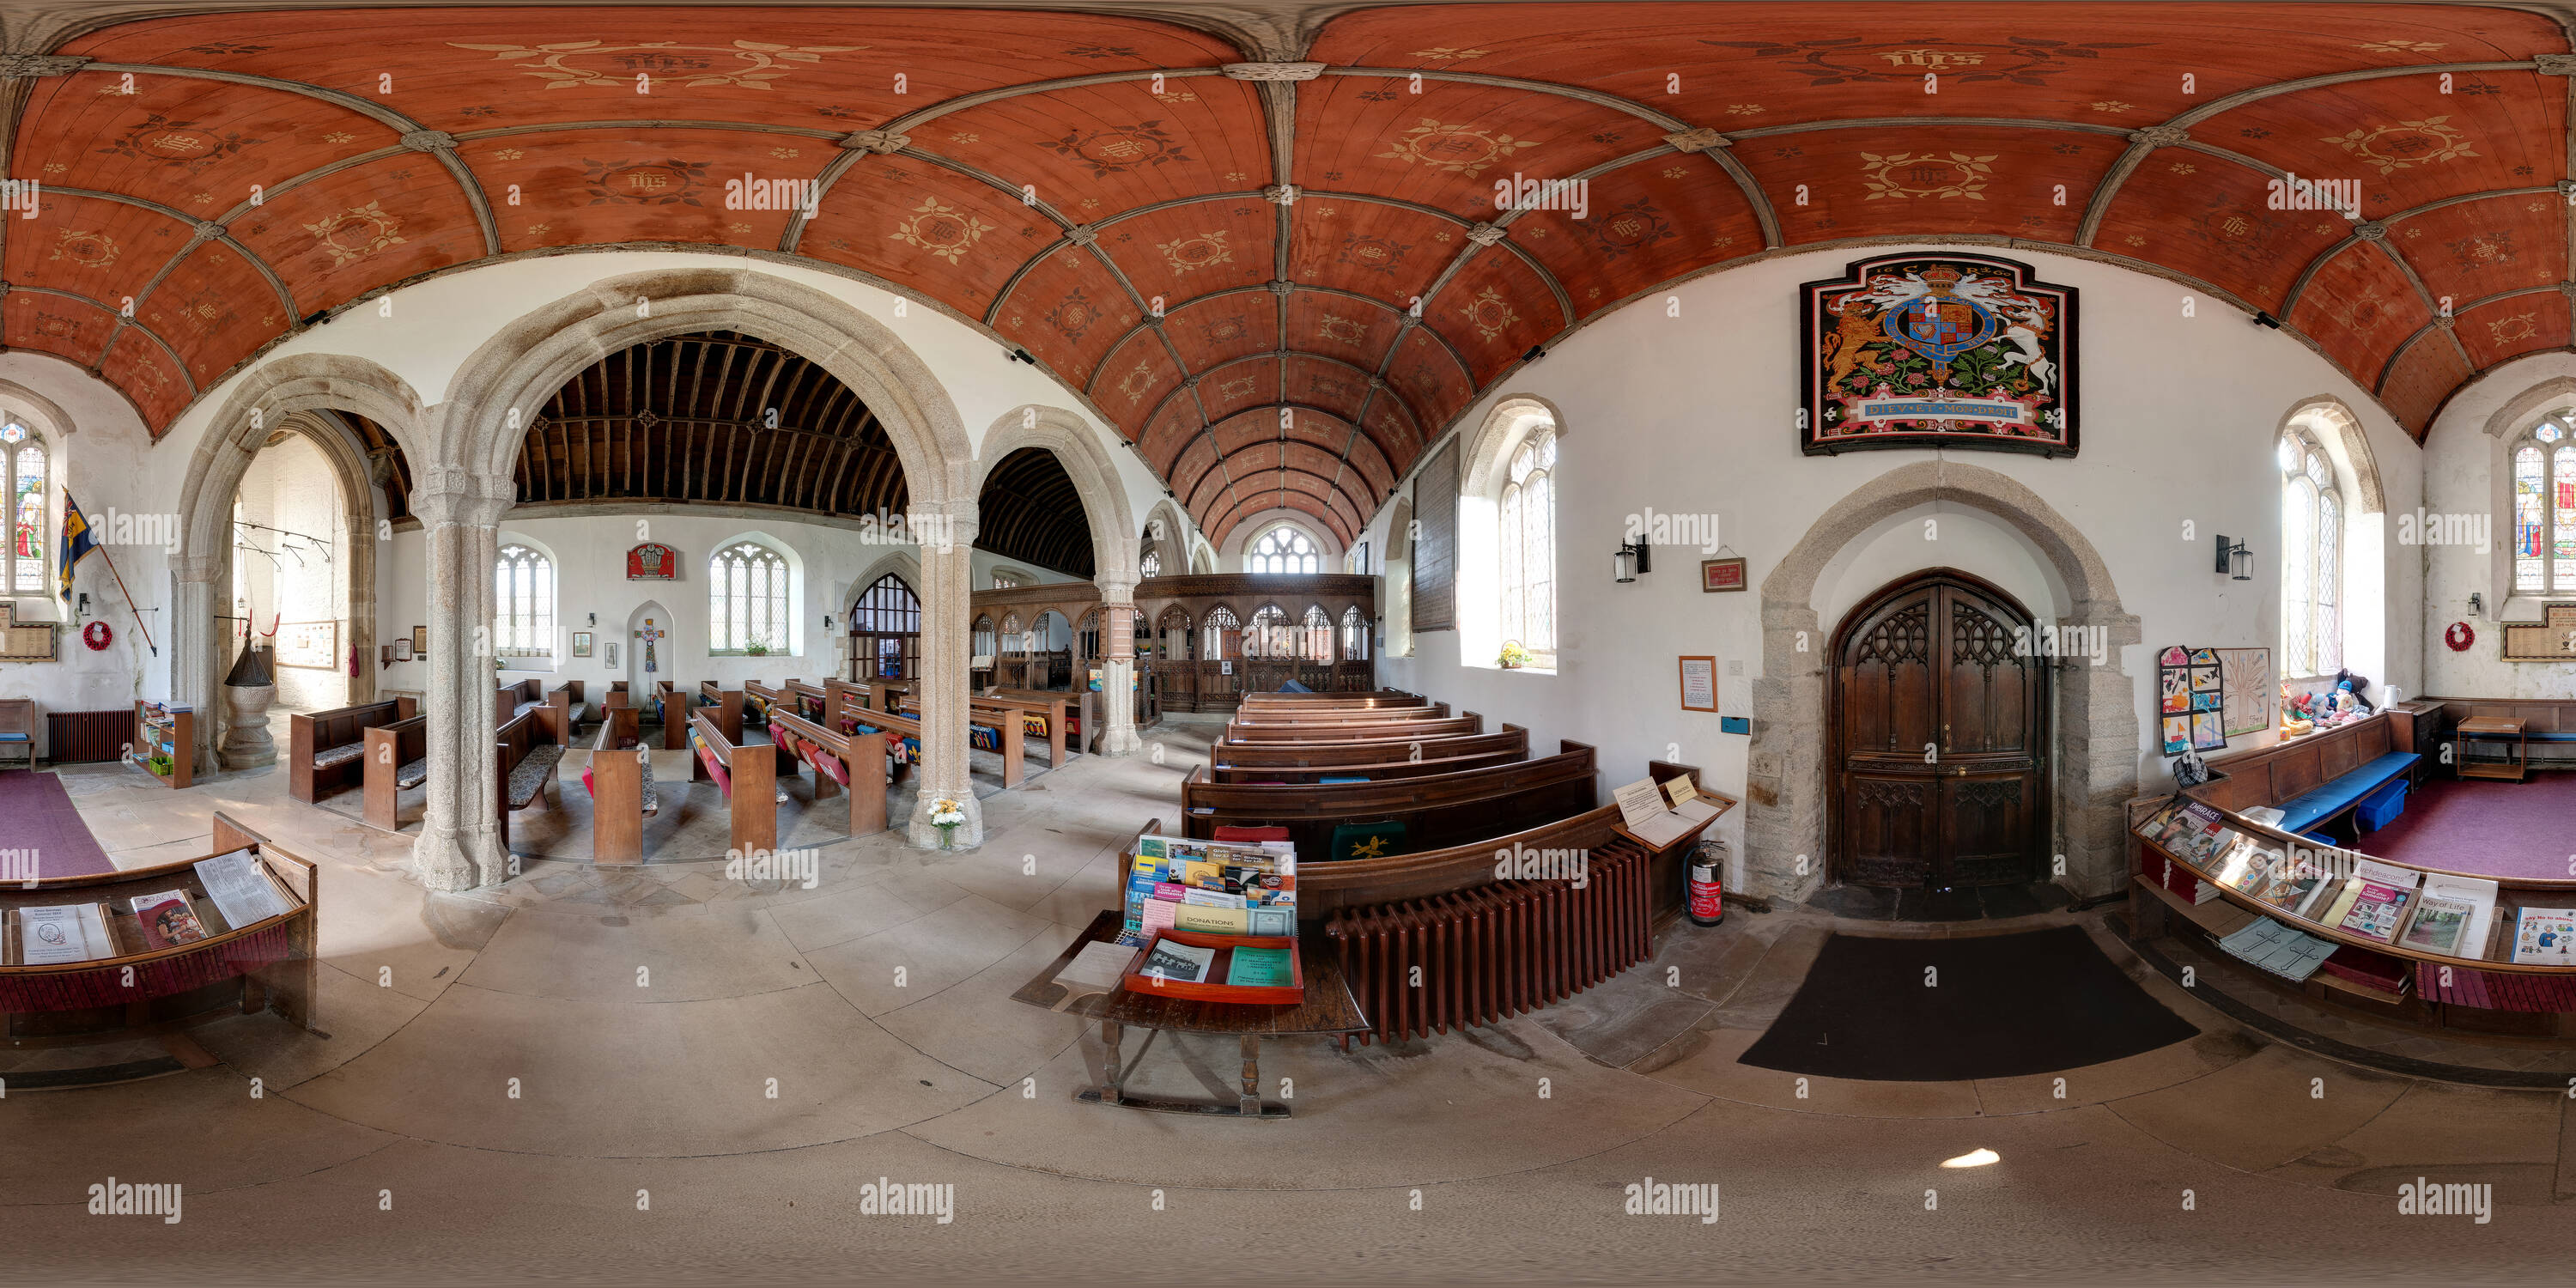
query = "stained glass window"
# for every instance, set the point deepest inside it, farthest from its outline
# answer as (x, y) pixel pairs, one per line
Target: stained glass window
(2544, 512)
(746, 599)
(22, 481)
(2311, 561)
(1527, 545)
(523, 603)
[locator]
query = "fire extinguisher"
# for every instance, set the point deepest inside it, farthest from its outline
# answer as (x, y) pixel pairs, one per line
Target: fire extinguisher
(1702, 897)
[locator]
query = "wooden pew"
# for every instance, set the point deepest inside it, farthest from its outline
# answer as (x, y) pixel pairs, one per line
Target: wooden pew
(397, 757)
(1055, 710)
(325, 748)
(671, 706)
(563, 712)
(1387, 751)
(622, 796)
(1467, 722)
(525, 764)
(1337, 701)
(748, 775)
(1363, 715)
(1014, 767)
(1378, 772)
(517, 696)
(724, 704)
(1439, 810)
(617, 714)
(855, 763)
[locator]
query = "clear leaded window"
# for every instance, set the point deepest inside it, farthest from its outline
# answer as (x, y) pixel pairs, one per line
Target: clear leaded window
(1283, 549)
(746, 599)
(2544, 510)
(1224, 635)
(2311, 560)
(885, 629)
(1355, 640)
(22, 482)
(1527, 542)
(523, 603)
(1152, 564)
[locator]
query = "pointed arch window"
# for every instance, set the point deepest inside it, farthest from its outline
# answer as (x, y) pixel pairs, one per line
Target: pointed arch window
(1315, 636)
(1527, 540)
(2543, 522)
(1283, 550)
(2311, 560)
(1355, 637)
(1269, 636)
(1152, 564)
(22, 486)
(747, 599)
(1223, 635)
(885, 630)
(523, 603)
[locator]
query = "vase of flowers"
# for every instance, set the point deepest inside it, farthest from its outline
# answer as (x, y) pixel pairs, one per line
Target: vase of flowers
(1514, 656)
(947, 815)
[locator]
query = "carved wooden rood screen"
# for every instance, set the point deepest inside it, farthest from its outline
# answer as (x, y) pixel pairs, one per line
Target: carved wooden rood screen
(1201, 641)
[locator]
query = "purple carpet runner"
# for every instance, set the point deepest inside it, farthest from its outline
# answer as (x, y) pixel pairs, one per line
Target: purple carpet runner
(36, 814)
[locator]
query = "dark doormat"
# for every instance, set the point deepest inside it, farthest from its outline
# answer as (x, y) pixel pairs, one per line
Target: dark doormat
(2000, 1006)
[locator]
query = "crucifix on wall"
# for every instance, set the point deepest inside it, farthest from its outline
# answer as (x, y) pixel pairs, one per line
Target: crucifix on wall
(650, 638)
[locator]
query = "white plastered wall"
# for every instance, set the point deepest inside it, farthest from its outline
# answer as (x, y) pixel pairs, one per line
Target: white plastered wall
(2466, 473)
(1696, 413)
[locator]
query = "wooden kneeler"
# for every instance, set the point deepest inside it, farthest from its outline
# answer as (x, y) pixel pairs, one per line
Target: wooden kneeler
(748, 775)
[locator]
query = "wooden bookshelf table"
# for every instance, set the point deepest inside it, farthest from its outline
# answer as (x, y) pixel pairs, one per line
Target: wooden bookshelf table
(2513, 769)
(1328, 1011)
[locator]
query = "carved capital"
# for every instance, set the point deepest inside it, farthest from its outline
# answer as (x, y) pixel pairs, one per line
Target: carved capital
(199, 569)
(1272, 71)
(429, 140)
(1114, 592)
(13, 66)
(1485, 234)
(943, 529)
(2554, 64)
(2160, 136)
(2371, 230)
(880, 142)
(1698, 140)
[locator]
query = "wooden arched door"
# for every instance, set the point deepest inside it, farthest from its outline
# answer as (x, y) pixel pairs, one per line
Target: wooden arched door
(1939, 738)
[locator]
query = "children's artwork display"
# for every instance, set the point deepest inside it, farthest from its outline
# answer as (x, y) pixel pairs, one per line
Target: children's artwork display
(2191, 699)
(312, 645)
(2245, 677)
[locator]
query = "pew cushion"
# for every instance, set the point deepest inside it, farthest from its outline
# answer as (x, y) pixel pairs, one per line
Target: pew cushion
(413, 774)
(1293, 687)
(340, 755)
(2301, 812)
(652, 798)
(1325, 781)
(524, 708)
(827, 763)
(577, 712)
(13, 735)
(983, 737)
(715, 767)
(1251, 835)
(528, 778)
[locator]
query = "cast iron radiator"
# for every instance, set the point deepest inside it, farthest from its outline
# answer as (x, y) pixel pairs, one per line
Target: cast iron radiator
(76, 737)
(1497, 950)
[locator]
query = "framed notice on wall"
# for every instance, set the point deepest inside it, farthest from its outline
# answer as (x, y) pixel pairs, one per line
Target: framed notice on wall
(311, 645)
(1699, 683)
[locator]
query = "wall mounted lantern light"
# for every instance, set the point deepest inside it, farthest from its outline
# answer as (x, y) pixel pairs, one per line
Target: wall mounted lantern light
(1630, 559)
(2477, 604)
(2235, 559)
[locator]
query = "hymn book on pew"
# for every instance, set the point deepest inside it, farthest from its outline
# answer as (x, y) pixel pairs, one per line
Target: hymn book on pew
(1645, 813)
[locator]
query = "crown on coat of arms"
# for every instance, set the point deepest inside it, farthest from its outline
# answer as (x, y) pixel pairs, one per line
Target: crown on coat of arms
(1940, 278)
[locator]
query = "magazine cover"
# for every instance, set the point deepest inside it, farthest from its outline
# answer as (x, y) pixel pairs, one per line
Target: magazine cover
(167, 919)
(2376, 912)
(2546, 936)
(2439, 924)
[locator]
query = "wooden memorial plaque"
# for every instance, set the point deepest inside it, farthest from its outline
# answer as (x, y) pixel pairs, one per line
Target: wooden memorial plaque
(25, 641)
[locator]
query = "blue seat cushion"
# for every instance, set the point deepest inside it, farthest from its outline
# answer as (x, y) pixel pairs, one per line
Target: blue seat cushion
(15, 737)
(2301, 812)
(1341, 780)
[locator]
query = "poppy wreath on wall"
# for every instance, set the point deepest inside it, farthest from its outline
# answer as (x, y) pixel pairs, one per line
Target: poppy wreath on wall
(98, 635)
(2459, 637)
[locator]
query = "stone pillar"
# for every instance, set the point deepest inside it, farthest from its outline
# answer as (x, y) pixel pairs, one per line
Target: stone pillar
(1117, 703)
(198, 645)
(946, 534)
(459, 845)
(1784, 826)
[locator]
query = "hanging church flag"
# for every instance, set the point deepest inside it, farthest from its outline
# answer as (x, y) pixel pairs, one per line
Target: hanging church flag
(652, 561)
(77, 541)
(1919, 350)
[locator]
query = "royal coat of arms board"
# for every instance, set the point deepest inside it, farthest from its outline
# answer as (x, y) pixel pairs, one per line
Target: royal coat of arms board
(652, 561)
(1923, 350)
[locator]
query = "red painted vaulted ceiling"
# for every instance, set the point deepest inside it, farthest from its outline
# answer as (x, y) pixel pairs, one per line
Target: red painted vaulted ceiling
(1057, 174)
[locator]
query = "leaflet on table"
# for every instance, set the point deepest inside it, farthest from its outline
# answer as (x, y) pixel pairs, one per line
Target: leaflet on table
(1261, 967)
(2376, 900)
(2545, 936)
(240, 888)
(2192, 831)
(2454, 917)
(168, 920)
(1182, 963)
(62, 934)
